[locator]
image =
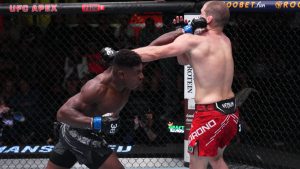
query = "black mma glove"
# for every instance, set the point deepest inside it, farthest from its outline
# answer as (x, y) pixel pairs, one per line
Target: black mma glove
(111, 127)
(108, 55)
(197, 23)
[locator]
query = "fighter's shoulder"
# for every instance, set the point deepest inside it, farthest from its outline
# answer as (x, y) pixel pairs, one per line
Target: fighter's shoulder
(191, 39)
(95, 86)
(186, 36)
(92, 91)
(228, 41)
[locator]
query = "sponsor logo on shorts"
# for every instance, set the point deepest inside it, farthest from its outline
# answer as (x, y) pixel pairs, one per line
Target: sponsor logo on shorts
(201, 130)
(228, 105)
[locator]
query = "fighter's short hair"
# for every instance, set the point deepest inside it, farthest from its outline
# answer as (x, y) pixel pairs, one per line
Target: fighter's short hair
(219, 11)
(127, 58)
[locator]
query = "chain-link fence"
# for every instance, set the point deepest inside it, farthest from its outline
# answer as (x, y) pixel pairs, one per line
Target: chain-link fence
(45, 59)
(266, 55)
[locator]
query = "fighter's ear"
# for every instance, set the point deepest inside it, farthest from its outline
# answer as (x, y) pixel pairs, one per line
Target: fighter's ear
(209, 19)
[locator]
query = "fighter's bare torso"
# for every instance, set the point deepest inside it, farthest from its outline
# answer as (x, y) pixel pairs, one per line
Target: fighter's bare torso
(212, 62)
(98, 97)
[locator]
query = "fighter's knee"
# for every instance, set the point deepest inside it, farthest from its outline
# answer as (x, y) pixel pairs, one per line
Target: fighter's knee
(219, 156)
(217, 162)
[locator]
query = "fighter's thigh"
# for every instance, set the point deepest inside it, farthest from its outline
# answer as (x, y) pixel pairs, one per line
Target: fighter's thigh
(219, 155)
(198, 162)
(61, 157)
(112, 162)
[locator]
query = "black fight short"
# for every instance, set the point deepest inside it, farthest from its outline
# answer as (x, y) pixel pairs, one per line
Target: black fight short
(79, 145)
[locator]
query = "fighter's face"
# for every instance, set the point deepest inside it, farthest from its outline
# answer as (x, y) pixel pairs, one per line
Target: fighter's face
(134, 77)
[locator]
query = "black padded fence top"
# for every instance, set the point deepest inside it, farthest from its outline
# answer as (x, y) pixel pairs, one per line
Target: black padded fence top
(103, 7)
(143, 6)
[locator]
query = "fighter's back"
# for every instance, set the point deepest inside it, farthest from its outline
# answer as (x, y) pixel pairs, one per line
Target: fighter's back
(213, 67)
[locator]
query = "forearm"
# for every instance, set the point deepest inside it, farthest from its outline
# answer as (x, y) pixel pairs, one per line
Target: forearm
(152, 53)
(148, 53)
(166, 38)
(74, 118)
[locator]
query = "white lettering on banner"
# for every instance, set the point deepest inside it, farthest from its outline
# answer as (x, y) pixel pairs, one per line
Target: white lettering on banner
(14, 149)
(202, 129)
(189, 86)
(46, 149)
(2, 148)
(120, 149)
(30, 149)
(260, 5)
(49, 148)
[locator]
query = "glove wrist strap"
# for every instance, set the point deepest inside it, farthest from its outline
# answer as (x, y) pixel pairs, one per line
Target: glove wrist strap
(97, 123)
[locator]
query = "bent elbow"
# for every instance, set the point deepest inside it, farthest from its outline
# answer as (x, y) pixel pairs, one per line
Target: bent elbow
(60, 115)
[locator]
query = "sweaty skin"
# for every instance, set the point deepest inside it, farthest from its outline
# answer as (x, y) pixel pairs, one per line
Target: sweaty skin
(98, 96)
(209, 54)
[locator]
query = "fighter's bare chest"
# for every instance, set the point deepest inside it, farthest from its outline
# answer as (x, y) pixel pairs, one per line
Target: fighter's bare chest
(111, 102)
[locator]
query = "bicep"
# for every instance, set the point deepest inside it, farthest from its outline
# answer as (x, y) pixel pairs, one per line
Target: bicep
(179, 47)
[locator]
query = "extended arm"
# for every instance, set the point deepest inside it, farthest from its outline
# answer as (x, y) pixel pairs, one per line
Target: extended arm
(166, 38)
(169, 38)
(179, 46)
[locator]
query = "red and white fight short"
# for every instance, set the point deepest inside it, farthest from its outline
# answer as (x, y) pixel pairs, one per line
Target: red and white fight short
(214, 126)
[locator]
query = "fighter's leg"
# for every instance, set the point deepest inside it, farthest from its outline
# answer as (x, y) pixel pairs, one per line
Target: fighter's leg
(198, 162)
(218, 162)
(112, 162)
(61, 158)
(98, 158)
